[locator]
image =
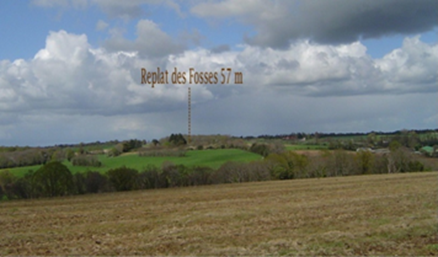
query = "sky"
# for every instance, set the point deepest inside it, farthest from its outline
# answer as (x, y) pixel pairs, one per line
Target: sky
(70, 70)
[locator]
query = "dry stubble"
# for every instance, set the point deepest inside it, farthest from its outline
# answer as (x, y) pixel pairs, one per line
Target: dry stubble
(360, 215)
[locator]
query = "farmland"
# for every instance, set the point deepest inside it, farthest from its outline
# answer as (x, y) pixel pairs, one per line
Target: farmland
(393, 214)
(210, 158)
(212, 150)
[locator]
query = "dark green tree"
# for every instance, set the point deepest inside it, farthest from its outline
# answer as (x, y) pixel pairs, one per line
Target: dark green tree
(261, 149)
(7, 180)
(123, 178)
(53, 179)
(131, 145)
(177, 140)
(94, 182)
(365, 162)
(70, 154)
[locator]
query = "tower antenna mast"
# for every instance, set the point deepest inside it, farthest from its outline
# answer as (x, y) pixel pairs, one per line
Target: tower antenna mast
(190, 115)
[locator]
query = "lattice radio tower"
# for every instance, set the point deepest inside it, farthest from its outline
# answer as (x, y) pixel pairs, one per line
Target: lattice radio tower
(190, 116)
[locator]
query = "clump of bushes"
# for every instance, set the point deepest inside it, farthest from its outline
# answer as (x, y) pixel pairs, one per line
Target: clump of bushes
(125, 146)
(266, 149)
(123, 178)
(177, 140)
(86, 160)
(91, 182)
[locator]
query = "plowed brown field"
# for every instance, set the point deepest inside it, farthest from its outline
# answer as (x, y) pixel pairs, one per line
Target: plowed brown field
(392, 214)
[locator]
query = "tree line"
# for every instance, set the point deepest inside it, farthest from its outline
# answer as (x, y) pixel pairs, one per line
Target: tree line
(55, 179)
(11, 157)
(321, 135)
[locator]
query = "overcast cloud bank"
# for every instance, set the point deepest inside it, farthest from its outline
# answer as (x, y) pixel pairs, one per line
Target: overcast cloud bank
(305, 69)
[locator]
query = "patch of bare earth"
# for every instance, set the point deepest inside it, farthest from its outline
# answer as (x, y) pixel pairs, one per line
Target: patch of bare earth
(358, 215)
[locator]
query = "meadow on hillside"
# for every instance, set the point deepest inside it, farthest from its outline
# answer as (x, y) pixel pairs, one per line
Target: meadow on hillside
(210, 158)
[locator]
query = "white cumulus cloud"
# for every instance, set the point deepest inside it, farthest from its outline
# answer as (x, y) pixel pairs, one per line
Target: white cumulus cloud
(69, 87)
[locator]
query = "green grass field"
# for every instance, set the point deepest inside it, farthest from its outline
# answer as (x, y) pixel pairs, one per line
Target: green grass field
(210, 158)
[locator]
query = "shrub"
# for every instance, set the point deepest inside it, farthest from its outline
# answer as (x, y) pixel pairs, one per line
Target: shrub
(23, 187)
(236, 172)
(172, 174)
(230, 172)
(177, 140)
(86, 160)
(288, 165)
(131, 145)
(365, 162)
(261, 149)
(415, 166)
(79, 183)
(115, 151)
(258, 170)
(340, 163)
(95, 182)
(69, 154)
(199, 176)
(7, 180)
(150, 178)
(123, 178)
